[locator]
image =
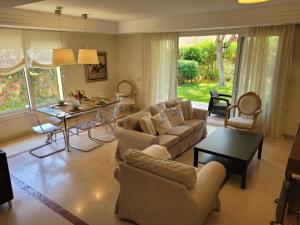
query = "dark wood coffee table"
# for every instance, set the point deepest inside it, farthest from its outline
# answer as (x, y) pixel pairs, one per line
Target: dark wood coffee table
(233, 148)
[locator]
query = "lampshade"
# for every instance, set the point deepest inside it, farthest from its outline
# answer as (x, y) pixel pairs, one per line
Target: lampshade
(88, 56)
(62, 57)
(252, 1)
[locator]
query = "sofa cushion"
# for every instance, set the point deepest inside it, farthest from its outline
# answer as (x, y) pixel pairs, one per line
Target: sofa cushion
(172, 103)
(194, 123)
(180, 131)
(175, 171)
(187, 110)
(174, 115)
(147, 125)
(132, 122)
(168, 140)
(155, 109)
(241, 121)
(158, 152)
(161, 123)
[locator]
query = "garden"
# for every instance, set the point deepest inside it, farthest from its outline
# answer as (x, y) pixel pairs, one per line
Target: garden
(206, 64)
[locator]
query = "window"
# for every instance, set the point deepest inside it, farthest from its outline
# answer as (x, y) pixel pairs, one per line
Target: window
(27, 77)
(13, 92)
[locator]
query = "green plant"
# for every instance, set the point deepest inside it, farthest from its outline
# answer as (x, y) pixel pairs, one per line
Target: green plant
(187, 70)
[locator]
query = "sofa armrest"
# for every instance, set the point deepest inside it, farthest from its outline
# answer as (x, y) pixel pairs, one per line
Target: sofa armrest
(209, 182)
(132, 139)
(200, 114)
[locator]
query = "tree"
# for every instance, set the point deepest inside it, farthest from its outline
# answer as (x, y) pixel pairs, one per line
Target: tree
(187, 70)
(220, 39)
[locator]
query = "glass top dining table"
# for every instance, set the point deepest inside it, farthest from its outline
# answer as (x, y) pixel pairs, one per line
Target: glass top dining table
(65, 112)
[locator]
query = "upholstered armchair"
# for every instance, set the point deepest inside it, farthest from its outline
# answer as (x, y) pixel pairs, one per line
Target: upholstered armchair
(249, 107)
(126, 93)
(163, 192)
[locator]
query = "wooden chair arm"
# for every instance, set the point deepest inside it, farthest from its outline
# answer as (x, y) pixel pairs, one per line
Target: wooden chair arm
(257, 112)
(228, 112)
(225, 95)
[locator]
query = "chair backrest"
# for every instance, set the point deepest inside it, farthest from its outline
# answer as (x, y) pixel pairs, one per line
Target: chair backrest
(214, 93)
(126, 88)
(32, 119)
(108, 113)
(249, 103)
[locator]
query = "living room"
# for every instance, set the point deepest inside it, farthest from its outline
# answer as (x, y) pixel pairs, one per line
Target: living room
(79, 187)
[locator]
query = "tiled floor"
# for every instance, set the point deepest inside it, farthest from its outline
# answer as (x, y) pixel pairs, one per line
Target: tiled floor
(83, 184)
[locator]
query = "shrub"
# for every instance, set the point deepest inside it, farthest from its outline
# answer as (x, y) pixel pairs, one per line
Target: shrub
(187, 70)
(191, 53)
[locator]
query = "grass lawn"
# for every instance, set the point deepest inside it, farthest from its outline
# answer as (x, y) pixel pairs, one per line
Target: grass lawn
(200, 91)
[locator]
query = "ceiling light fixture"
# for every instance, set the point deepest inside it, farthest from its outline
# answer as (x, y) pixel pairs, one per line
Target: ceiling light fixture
(87, 56)
(62, 56)
(252, 1)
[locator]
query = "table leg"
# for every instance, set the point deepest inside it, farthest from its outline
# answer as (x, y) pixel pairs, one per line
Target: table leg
(244, 176)
(195, 157)
(260, 147)
(67, 135)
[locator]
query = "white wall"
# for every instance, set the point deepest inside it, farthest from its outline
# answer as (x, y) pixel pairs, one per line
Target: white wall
(130, 63)
(293, 105)
(16, 125)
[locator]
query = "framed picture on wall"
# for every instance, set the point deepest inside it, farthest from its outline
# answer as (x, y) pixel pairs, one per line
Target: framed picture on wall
(97, 72)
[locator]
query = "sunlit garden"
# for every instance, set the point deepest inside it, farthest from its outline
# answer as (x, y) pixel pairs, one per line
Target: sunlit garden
(206, 64)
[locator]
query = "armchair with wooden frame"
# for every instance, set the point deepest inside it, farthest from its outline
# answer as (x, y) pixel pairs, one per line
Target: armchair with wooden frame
(249, 107)
(218, 103)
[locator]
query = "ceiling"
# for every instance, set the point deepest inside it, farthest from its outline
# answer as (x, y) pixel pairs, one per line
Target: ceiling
(12, 3)
(124, 10)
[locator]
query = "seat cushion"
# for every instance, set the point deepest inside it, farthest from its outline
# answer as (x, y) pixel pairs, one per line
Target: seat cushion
(180, 131)
(46, 128)
(161, 123)
(194, 123)
(168, 140)
(240, 121)
(175, 171)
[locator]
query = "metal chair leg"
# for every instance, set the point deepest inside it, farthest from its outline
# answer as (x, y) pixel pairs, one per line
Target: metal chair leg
(32, 150)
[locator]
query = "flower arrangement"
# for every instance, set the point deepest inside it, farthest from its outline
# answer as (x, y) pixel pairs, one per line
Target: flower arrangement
(78, 95)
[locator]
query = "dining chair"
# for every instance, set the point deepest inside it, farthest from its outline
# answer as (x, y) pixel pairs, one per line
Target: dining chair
(44, 129)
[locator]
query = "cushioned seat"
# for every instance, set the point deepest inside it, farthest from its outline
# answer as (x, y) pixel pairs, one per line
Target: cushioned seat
(180, 131)
(194, 123)
(168, 140)
(241, 121)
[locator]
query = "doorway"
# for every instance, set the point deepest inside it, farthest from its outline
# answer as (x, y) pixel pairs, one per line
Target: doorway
(207, 64)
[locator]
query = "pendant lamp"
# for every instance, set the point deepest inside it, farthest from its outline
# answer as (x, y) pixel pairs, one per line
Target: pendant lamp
(87, 56)
(62, 56)
(251, 1)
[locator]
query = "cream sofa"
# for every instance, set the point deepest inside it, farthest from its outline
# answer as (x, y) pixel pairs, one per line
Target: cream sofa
(177, 140)
(155, 191)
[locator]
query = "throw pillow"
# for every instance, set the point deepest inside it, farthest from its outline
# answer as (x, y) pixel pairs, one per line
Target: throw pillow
(147, 125)
(161, 123)
(175, 116)
(132, 122)
(155, 109)
(187, 110)
(172, 103)
(157, 151)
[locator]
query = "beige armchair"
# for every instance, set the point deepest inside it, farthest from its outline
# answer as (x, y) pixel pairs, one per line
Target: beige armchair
(155, 191)
(126, 93)
(249, 107)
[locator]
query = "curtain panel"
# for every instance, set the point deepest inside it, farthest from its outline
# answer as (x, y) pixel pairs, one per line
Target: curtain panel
(265, 68)
(160, 66)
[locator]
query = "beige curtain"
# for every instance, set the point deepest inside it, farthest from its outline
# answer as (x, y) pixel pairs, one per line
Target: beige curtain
(160, 66)
(265, 68)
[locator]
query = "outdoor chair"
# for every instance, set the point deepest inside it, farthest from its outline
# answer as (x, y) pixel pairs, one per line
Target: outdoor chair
(218, 103)
(249, 107)
(47, 129)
